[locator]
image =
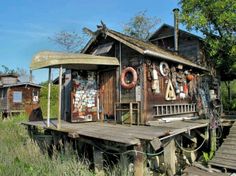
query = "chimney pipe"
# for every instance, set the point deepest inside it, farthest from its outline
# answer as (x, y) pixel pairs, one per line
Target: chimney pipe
(30, 77)
(176, 29)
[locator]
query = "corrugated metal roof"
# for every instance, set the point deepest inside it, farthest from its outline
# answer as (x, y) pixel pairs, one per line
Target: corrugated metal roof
(21, 84)
(47, 59)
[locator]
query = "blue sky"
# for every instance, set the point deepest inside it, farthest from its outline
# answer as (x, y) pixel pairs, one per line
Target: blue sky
(25, 25)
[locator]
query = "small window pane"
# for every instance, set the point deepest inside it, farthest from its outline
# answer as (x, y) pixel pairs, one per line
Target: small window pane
(17, 97)
(103, 49)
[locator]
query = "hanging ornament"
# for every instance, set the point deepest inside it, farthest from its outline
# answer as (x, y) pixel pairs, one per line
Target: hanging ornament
(185, 88)
(164, 69)
(170, 92)
(155, 80)
(190, 77)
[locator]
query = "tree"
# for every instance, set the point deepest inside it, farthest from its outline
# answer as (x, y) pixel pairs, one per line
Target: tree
(68, 41)
(23, 74)
(6, 70)
(216, 19)
(140, 26)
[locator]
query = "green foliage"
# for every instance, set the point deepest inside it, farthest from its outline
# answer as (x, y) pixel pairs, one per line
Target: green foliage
(224, 95)
(44, 100)
(216, 19)
(140, 26)
(19, 155)
(208, 156)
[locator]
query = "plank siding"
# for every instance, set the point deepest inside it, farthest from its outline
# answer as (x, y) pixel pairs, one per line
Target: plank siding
(130, 58)
(27, 103)
(108, 91)
(157, 99)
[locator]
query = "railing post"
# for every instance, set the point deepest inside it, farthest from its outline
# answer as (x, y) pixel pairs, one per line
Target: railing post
(49, 96)
(59, 97)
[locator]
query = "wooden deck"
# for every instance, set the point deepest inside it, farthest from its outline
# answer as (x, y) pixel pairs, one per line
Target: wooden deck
(225, 156)
(194, 171)
(126, 134)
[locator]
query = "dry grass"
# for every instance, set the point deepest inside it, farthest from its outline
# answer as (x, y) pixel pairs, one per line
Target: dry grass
(19, 155)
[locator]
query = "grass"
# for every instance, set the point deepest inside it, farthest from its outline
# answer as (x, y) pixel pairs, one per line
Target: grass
(44, 100)
(21, 156)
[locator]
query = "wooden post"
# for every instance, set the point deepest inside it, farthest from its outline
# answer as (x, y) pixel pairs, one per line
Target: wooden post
(213, 139)
(120, 60)
(49, 96)
(169, 157)
(98, 160)
(125, 165)
(131, 112)
(144, 96)
(59, 98)
(139, 161)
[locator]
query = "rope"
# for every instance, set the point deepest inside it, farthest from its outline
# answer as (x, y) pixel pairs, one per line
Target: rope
(144, 153)
(189, 151)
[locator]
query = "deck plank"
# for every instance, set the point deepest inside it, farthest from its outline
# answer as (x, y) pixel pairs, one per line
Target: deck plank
(225, 156)
(129, 134)
(193, 171)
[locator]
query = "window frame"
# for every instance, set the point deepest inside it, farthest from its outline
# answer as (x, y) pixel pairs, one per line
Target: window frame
(19, 97)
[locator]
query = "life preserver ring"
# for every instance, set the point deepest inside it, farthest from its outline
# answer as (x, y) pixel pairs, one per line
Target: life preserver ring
(123, 75)
(164, 68)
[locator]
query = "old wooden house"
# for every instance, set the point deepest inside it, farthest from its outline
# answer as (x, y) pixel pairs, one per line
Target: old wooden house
(152, 82)
(17, 97)
(161, 94)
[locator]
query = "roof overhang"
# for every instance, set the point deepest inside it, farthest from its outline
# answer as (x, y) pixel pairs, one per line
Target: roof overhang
(148, 50)
(177, 59)
(160, 54)
(22, 84)
(51, 59)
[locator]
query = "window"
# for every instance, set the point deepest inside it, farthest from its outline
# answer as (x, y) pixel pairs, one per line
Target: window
(103, 49)
(17, 97)
(35, 95)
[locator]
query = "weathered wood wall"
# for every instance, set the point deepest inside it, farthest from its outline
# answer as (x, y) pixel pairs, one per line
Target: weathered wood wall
(130, 58)
(158, 98)
(190, 46)
(27, 103)
(108, 91)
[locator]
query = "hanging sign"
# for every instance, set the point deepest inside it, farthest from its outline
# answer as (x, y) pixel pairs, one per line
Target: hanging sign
(170, 92)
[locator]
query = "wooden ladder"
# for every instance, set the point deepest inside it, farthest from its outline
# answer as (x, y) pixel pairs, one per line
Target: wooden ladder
(174, 109)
